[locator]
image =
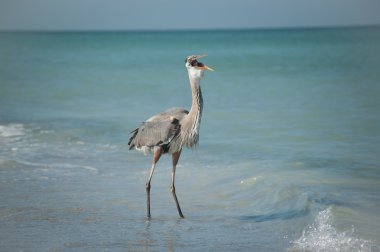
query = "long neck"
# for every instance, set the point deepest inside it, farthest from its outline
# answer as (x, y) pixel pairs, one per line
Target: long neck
(191, 122)
(197, 100)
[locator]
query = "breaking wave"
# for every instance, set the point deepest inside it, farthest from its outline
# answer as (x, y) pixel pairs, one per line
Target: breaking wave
(321, 235)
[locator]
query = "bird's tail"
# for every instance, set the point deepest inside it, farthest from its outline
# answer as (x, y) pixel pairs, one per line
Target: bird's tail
(130, 142)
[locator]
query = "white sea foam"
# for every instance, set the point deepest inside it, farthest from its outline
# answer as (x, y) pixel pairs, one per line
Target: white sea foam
(11, 130)
(321, 235)
(74, 166)
(47, 166)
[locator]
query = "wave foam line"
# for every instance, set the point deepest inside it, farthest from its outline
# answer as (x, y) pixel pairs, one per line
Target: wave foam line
(54, 165)
(11, 130)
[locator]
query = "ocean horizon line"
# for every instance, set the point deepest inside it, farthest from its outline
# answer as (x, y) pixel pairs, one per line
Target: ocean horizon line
(174, 30)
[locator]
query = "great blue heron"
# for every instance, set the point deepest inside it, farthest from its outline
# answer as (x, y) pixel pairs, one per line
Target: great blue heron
(171, 130)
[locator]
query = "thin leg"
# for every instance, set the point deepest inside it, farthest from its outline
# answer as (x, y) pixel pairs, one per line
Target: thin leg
(156, 156)
(175, 158)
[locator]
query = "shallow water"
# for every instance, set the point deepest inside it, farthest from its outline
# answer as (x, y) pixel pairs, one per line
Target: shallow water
(288, 158)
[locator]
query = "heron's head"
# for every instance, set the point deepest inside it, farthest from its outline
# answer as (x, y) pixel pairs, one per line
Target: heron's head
(195, 67)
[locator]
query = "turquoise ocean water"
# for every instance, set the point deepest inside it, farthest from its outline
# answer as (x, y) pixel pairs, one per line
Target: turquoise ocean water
(289, 153)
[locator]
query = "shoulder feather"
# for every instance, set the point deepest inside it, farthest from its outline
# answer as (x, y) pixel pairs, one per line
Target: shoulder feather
(158, 130)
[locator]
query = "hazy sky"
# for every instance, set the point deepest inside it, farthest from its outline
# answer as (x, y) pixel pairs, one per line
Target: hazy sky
(179, 14)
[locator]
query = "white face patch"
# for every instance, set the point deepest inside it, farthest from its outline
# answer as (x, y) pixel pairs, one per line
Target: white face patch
(195, 72)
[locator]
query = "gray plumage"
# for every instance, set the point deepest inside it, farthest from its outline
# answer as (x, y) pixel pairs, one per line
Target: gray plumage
(171, 130)
(159, 130)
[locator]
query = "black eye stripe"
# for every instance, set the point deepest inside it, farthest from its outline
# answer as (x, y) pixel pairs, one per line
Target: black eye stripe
(193, 62)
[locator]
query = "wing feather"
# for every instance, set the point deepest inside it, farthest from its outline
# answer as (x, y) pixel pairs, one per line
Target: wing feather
(158, 130)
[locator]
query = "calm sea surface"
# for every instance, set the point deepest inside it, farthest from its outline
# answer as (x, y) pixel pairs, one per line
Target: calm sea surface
(289, 154)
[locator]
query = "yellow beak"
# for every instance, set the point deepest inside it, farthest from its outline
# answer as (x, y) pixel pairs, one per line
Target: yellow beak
(204, 67)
